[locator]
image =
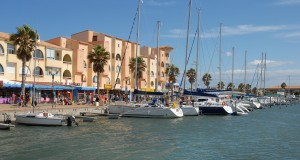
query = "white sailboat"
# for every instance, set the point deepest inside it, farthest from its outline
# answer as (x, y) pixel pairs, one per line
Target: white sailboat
(154, 110)
(190, 109)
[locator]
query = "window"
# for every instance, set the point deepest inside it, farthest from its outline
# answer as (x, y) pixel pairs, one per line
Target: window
(162, 74)
(118, 45)
(162, 64)
(38, 71)
(118, 81)
(67, 74)
(50, 53)
(84, 64)
(38, 54)
(118, 68)
(167, 54)
(83, 78)
(95, 38)
(67, 58)
(113, 55)
(95, 79)
(10, 49)
(10, 67)
(27, 71)
(152, 83)
(107, 80)
(167, 65)
(152, 74)
(1, 49)
(1, 69)
(118, 57)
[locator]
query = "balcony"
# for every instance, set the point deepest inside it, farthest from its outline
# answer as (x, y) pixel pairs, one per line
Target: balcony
(12, 58)
(54, 63)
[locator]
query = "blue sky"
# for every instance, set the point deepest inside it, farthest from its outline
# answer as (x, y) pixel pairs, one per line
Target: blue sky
(271, 26)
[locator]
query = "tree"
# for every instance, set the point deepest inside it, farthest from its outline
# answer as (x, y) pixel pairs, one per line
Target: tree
(248, 88)
(283, 85)
(241, 87)
(221, 85)
(141, 67)
(99, 57)
(191, 74)
(230, 86)
(254, 90)
(172, 72)
(26, 39)
(206, 79)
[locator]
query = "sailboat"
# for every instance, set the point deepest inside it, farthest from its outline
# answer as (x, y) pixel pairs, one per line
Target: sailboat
(214, 104)
(190, 109)
(147, 110)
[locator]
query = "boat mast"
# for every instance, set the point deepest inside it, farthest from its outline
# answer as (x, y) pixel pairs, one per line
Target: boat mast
(232, 69)
(265, 67)
(245, 71)
(34, 71)
(197, 55)
(220, 50)
(137, 47)
(157, 58)
(261, 70)
(187, 44)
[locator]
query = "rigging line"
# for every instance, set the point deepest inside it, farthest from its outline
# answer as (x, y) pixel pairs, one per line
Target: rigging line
(126, 47)
(189, 55)
(254, 75)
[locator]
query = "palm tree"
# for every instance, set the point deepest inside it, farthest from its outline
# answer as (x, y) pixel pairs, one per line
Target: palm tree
(221, 85)
(26, 39)
(141, 67)
(283, 85)
(191, 74)
(230, 86)
(172, 72)
(248, 88)
(99, 57)
(254, 90)
(241, 87)
(206, 79)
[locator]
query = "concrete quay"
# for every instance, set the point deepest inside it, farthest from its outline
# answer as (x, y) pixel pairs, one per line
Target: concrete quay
(74, 110)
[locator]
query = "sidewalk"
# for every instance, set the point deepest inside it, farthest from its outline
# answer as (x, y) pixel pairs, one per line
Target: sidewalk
(47, 106)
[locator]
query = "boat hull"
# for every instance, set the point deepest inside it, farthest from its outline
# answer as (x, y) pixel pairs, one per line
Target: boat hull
(119, 109)
(190, 110)
(215, 110)
(154, 112)
(39, 121)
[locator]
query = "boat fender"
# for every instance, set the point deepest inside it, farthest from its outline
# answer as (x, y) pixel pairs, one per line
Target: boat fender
(174, 105)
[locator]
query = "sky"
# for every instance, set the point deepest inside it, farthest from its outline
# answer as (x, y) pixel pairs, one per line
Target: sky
(250, 26)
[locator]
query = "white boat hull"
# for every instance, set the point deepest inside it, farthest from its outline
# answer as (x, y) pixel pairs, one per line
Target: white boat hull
(154, 112)
(119, 109)
(39, 121)
(190, 110)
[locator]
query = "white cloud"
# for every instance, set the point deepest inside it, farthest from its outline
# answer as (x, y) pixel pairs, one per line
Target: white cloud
(287, 2)
(228, 54)
(245, 29)
(291, 35)
(271, 63)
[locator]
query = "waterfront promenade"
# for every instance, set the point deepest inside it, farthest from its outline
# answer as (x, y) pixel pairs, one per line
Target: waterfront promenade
(74, 109)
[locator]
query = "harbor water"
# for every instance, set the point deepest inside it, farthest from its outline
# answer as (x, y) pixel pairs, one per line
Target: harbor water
(270, 133)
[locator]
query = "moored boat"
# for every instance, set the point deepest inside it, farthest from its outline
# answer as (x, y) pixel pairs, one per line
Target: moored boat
(40, 119)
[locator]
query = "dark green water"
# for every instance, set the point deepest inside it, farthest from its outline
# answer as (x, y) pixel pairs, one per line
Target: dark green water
(271, 133)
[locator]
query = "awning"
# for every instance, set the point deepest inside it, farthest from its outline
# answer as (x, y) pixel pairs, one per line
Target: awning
(80, 88)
